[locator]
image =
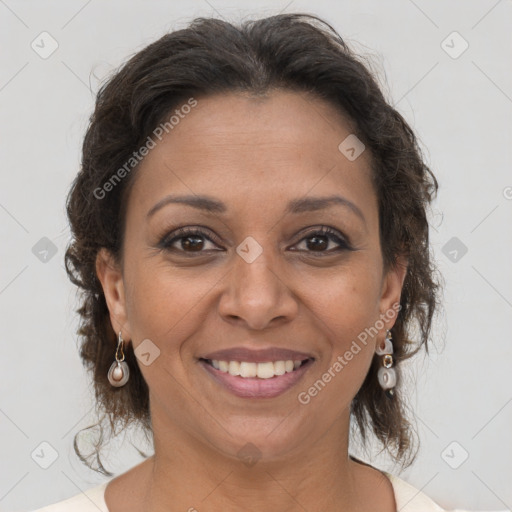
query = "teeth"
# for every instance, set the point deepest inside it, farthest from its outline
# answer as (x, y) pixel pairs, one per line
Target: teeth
(249, 369)
(261, 370)
(265, 370)
(233, 368)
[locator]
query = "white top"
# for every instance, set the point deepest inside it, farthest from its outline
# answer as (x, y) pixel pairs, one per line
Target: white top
(407, 497)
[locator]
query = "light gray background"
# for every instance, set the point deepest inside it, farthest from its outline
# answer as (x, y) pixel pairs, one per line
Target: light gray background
(460, 109)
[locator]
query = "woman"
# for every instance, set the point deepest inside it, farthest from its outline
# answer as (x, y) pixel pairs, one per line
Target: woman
(251, 240)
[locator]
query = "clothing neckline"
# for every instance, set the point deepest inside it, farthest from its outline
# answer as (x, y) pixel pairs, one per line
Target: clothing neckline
(407, 497)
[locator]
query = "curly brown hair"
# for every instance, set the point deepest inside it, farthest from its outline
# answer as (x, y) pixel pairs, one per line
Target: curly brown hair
(299, 52)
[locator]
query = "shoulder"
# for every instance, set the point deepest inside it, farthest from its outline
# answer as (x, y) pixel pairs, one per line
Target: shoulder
(410, 499)
(92, 500)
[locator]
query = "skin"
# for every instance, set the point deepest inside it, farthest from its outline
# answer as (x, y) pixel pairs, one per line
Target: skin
(254, 155)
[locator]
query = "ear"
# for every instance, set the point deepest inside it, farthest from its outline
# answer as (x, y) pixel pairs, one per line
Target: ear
(392, 289)
(112, 282)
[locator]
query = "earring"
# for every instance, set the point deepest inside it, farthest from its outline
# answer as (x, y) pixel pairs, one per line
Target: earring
(119, 372)
(386, 374)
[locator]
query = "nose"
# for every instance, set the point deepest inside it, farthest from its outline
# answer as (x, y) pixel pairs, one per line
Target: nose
(257, 294)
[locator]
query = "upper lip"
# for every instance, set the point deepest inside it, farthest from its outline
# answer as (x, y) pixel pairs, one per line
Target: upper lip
(258, 355)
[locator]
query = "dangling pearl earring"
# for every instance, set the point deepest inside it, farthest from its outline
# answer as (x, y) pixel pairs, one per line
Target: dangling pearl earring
(386, 374)
(119, 372)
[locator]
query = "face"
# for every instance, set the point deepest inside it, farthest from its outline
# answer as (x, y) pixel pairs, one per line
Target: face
(262, 266)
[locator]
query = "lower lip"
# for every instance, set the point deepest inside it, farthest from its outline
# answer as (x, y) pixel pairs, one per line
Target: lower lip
(254, 387)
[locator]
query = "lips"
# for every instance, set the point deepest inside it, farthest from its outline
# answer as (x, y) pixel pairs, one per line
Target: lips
(257, 388)
(257, 356)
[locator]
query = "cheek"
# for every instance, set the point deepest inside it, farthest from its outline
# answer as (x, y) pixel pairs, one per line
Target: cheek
(164, 303)
(346, 299)
(345, 313)
(346, 317)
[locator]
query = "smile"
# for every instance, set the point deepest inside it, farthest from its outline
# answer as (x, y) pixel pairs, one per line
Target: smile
(256, 380)
(248, 369)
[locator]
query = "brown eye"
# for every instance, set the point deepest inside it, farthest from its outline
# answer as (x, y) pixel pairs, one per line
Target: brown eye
(193, 242)
(318, 241)
(187, 240)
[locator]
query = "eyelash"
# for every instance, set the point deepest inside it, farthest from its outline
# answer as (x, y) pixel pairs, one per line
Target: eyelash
(181, 233)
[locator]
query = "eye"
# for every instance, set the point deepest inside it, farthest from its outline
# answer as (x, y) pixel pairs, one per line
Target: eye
(190, 238)
(318, 240)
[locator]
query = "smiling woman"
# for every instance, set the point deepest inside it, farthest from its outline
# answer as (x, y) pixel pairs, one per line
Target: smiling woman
(254, 282)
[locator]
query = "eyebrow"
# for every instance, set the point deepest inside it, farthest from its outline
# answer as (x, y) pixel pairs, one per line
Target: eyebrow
(302, 205)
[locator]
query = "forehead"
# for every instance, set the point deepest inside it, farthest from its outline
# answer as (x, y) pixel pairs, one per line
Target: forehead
(253, 150)
(280, 119)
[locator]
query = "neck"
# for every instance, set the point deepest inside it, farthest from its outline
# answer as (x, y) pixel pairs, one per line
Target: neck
(191, 475)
